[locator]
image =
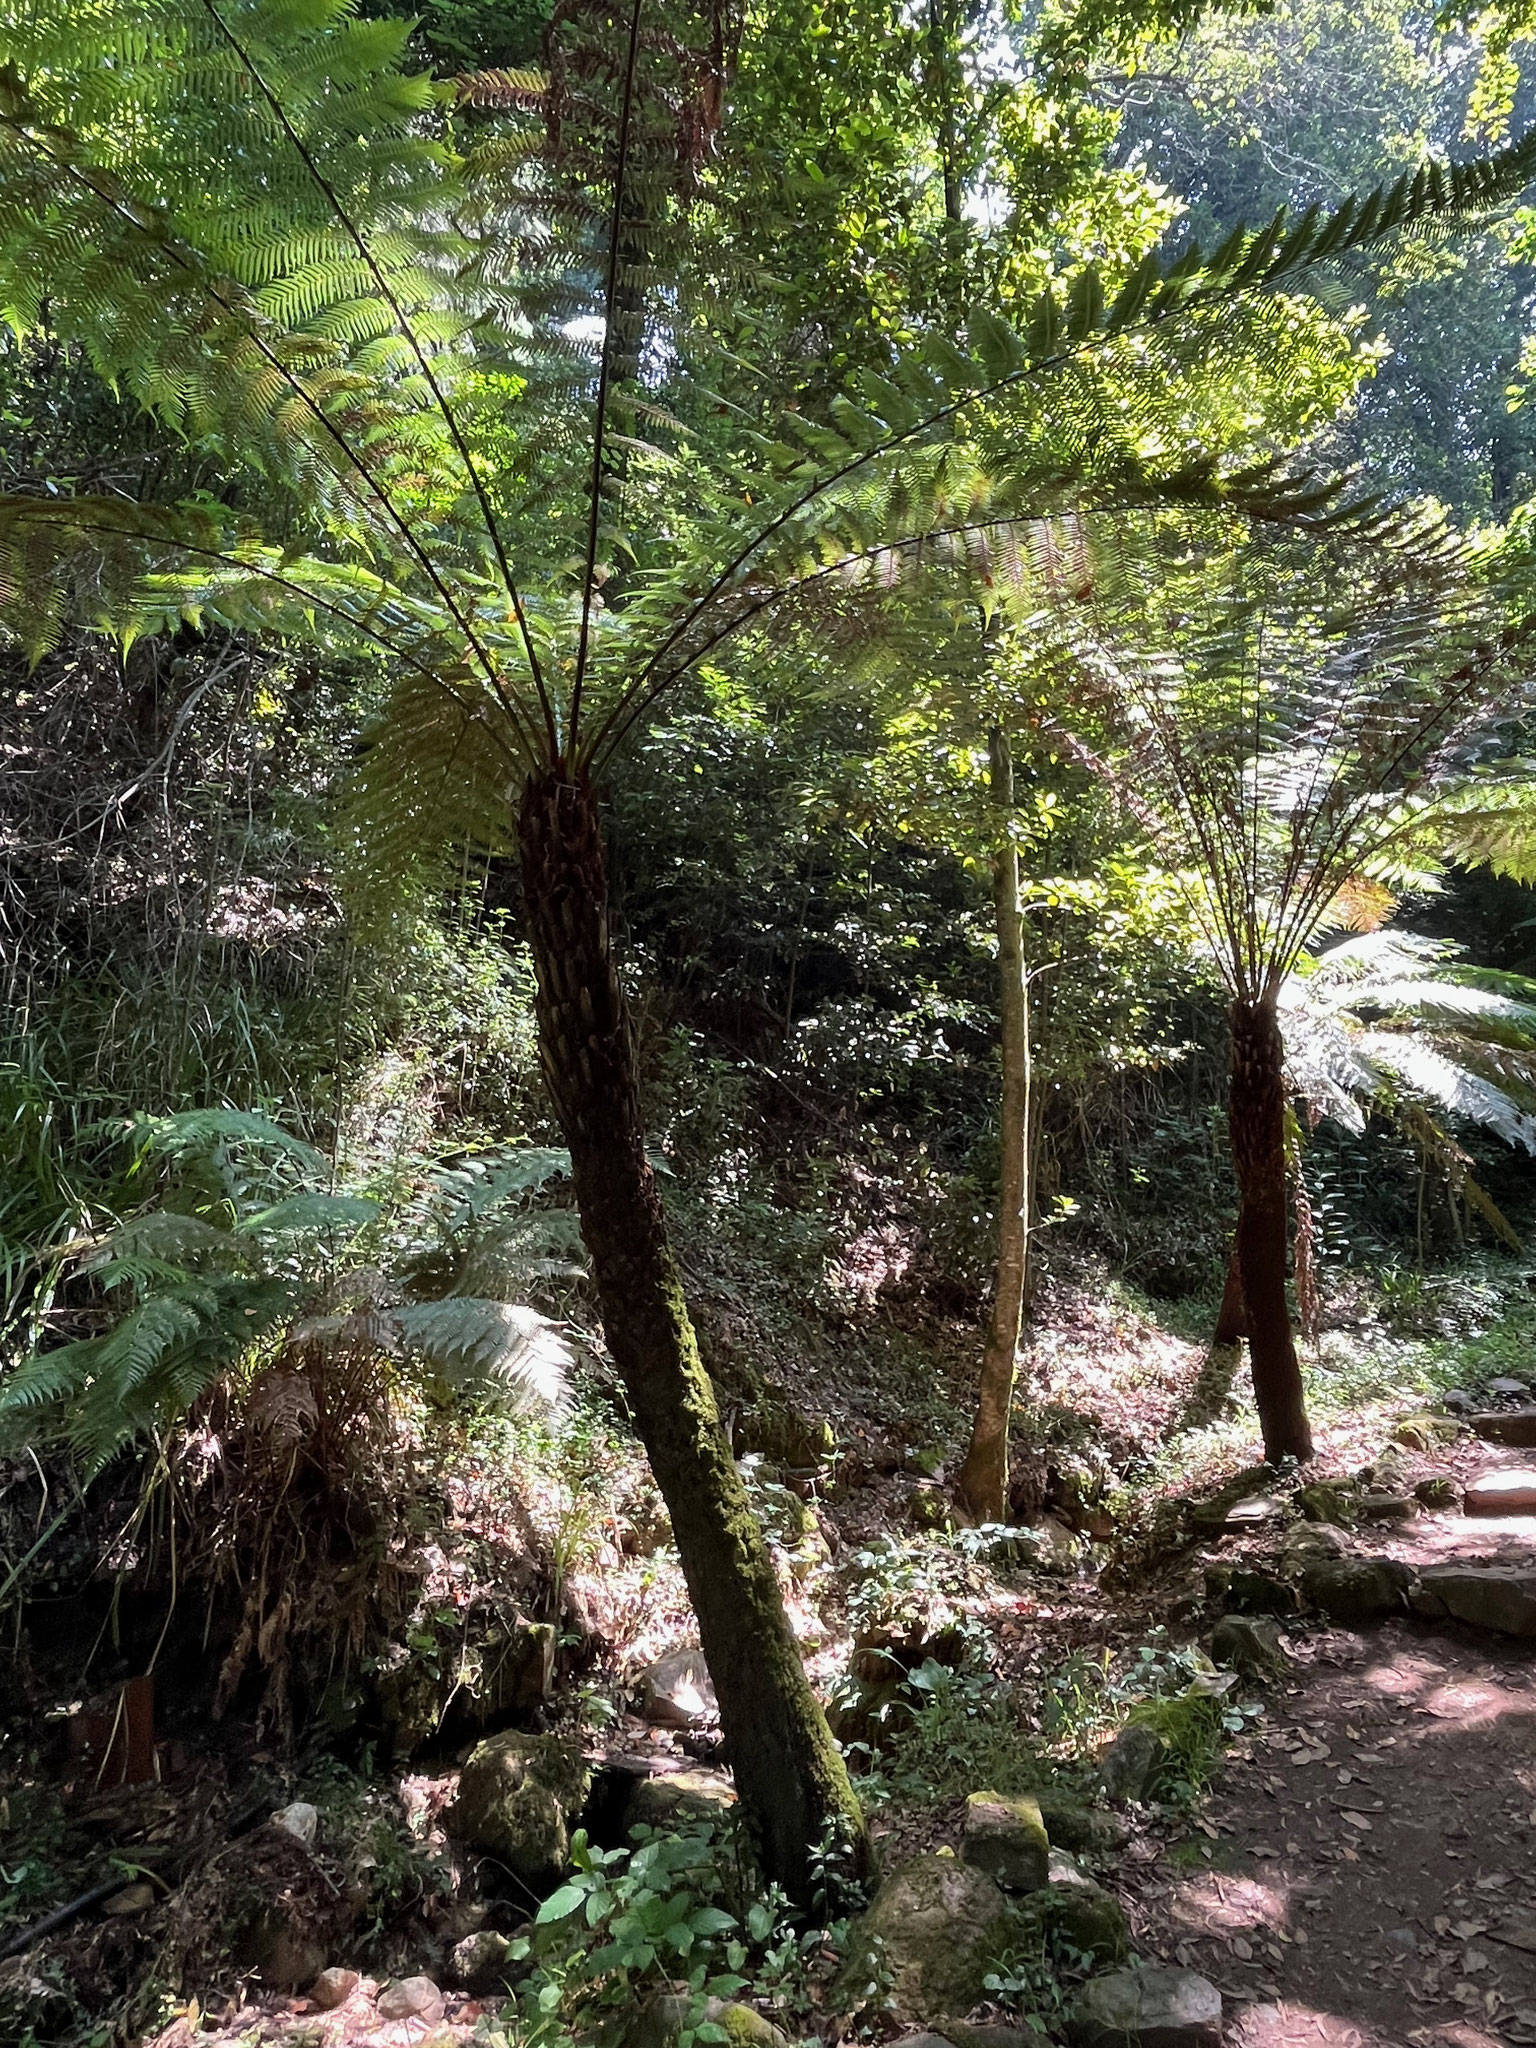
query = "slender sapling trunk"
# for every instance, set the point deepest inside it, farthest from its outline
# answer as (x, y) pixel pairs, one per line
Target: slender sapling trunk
(984, 1475)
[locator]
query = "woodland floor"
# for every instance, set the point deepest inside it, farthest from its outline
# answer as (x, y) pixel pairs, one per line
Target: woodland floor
(1367, 1873)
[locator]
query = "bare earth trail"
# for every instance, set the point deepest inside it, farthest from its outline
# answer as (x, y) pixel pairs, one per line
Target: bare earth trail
(1368, 1874)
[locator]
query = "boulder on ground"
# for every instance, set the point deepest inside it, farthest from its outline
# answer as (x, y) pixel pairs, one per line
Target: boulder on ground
(334, 1987)
(1083, 1917)
(1260, 1593)
(934, 1929)
(1387, 1507)
(1149, 2007)
(1250, 1648)
(1007, 1839)
(1493, 1596)
(677, 1691)
(1085, 1830)
(1509, 1389)
(1309, 1542)
(1126, 1765)
(411, 1998)
(1328, 1500)
(479, 1961)
(518, 1797)
(778, 1430)
(1515, 1426)
(1457, 1401)
(1237, 1505)
(1510, 1492)
(1423, 1431)
(679, 1798)
(1357, 1589)
(663, 2019)
(1437, 1492)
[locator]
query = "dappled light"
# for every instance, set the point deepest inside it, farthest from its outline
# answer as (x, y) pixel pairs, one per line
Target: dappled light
(767, 1024)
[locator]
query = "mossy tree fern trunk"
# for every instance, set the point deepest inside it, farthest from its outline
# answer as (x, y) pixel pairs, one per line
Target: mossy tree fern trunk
(790, 1775)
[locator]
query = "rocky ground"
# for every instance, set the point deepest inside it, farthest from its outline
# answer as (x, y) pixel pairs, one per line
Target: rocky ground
(1359, 1870)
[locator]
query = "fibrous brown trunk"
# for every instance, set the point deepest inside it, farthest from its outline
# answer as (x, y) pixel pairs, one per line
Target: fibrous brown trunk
(984, 1475)
(789, 1773)
(1232, 1316)
(1256, 1118)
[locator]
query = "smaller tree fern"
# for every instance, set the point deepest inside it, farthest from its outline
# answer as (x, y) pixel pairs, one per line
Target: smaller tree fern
(1393, 1024)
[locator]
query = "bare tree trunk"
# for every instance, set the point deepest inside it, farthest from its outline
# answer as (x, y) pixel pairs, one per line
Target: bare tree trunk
(1256, 1119)
(790, 1775)
(984, 1475)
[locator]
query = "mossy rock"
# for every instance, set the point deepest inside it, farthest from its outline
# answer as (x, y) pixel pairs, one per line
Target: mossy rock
(1084, 1918)
(778, 1430)
(518, 1797)
(662, 2020)
(933, 1931)
(1424, 1431)
(1079, 1828)
(680, 1799)
(1329, 1500)
(1006, 1838)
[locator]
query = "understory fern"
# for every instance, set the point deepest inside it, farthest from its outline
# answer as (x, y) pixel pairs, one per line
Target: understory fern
(238, 1255)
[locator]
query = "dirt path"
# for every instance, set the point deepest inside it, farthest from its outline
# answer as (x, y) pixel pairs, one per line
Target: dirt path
(1368, 1871)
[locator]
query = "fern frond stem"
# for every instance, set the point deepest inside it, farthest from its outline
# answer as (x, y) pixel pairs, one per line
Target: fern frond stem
(320, 604)
(391, 298)
(605, 372)
(634, 704)
(306, 399)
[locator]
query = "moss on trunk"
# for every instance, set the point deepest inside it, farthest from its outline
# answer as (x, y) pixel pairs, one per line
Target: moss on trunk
(790, 1775)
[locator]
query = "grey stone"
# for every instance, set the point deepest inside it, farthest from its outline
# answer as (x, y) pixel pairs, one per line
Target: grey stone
(1492, 1596)
(1437, 1492)
(1509, 1390)
(301, 1820)
(935, 1927)
(1066, 1870)
(1328, 1500)
(1457, 1401)
(1150, 2007)
(677, 1691)
(1259, 1593)
(1510, 1492)
(1388, 1507)
(1128, 1762)
(1250, 1648)
(518, 1796)
(1085, 1918)
(411, 1998)
(679, 1797)
(334, 1987)
(479, 1961)
(1516, 1426)
(1007, 1839)
(1083, 1829)
(1357, 1589)
(1401, 1940)
(1310, 1541)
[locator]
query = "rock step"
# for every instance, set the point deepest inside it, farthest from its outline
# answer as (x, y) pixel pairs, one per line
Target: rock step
(1494, 1596)
(1508, 1492)
(1516, 1426)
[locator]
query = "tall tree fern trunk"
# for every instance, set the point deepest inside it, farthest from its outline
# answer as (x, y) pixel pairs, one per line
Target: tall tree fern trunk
(790, 1776)
(1256, 1116)
(984, 1475)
